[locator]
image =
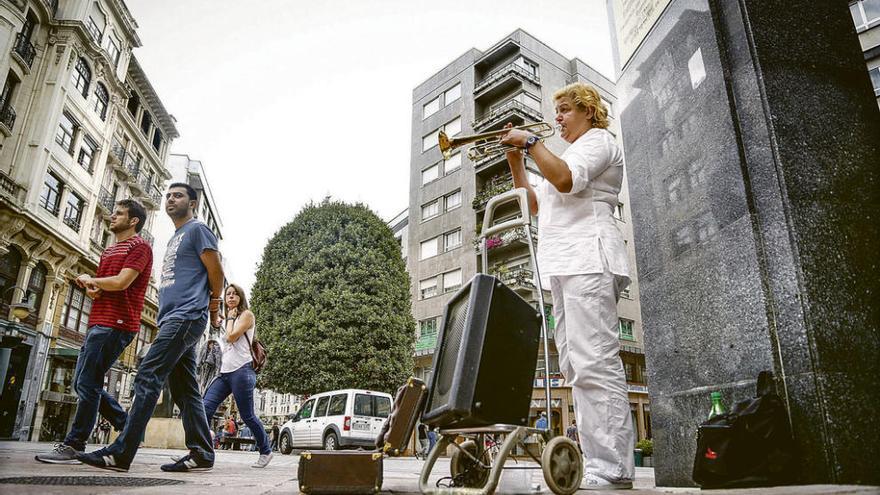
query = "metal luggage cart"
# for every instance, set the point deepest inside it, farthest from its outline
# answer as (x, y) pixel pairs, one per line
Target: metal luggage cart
(475, 467)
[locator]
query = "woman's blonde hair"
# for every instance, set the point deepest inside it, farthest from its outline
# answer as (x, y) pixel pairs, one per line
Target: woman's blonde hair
(585, 97)
(242, 298)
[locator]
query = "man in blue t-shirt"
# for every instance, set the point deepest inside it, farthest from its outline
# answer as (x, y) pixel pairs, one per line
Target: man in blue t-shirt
(190, 291)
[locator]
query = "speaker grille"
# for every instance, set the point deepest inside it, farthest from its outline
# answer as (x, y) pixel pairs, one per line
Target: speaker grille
(451, 345)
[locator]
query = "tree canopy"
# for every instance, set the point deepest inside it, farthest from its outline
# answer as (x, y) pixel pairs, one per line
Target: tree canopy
(332, 303)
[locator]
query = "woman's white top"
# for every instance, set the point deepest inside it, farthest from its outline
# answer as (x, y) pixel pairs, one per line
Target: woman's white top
(236, 354)
(577, 229)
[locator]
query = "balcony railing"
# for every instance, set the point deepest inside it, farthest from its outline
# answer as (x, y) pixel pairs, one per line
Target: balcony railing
(106, 201)
(518, 278)
(132, 170)
(147, 236)
(507, 238)
(502, 111)
(494, 187)
(117, 152)
(72, 222)
(509, 69)
(25, 49)
(153, 198)
(7, 115)
(9, 188)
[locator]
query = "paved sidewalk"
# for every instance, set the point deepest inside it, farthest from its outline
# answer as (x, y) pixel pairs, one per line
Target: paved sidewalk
(232, 474)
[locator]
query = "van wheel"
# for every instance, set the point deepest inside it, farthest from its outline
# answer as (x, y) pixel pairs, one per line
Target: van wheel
(284, 444)
(331, 442)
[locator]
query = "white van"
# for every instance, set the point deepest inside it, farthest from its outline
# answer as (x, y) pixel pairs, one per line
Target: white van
(337, 419)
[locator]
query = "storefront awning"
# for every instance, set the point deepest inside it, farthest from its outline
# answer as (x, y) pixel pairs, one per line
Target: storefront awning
(64, 352)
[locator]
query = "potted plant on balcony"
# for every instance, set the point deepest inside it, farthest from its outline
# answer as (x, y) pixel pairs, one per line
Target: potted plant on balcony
(646, 445)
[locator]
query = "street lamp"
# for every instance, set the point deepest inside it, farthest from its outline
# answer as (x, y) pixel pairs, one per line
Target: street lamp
(20, 310)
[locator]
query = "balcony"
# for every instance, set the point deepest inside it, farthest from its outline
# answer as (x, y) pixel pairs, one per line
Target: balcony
(117, 153)
(7, 118)
(132, 172)
(426, 344)
(507, 239)
(24, 49)
(10, 190)
(153, 198)
(518, 278)
(147, 236)
(106, 202)
(502, 113)
(496, 186)
(512, 70)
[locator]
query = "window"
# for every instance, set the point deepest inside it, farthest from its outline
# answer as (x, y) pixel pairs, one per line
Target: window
(452, 280)
(101, 100)
(381, 406)
(428, 248)
(431, 209)
(82, 77)
(134, 101)
(453, 164)
(430, 174)
(528, 100)
(157, 140)
(865, 13)
(337, 405)
(608, 107)
(625, 329)
(306, 411)
(430, 140)
(618, 212)
(73, 211)
(452, 94)
(77, 307)
(452, 240)
(428, 288)
(66, 130)
(453, 200)
(35, 286)
(875, 80)
(528, 65)
(431, 108)
(87, 153)
(146, 121)
(363, 405)
(113, 45)
(321, 408)
(93, 29)
(628, 369)
(50, 196)
(453, 127)
(428, 327)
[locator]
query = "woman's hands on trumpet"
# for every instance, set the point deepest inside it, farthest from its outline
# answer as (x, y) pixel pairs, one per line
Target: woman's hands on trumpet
(515, 137)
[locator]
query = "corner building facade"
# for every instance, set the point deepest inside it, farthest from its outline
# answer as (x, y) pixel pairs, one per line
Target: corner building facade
(80, 128)
(480, 91)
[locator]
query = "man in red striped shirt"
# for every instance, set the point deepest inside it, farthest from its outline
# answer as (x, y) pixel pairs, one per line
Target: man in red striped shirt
(118, 290)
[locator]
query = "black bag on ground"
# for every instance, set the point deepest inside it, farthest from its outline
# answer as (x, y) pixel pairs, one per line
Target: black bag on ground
(749, 446)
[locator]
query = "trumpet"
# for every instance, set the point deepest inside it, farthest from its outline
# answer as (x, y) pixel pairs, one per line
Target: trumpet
(489, 143)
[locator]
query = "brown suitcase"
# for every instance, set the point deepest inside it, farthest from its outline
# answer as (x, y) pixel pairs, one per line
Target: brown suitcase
(341, 472)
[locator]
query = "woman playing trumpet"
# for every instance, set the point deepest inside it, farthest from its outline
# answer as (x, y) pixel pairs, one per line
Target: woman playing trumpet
(582, 258)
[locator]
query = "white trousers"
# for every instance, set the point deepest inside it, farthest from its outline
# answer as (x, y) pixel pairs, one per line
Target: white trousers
(585, 309)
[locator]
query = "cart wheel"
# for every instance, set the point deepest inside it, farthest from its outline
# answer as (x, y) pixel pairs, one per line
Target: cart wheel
(562, 465)
(465, 470)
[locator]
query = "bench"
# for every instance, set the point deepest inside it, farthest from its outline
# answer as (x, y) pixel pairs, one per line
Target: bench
(235, 443)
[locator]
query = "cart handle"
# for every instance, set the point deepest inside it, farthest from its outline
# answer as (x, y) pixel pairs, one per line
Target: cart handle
(521, 196)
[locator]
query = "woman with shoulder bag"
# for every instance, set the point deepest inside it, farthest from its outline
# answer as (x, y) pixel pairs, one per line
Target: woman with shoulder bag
(237, 375)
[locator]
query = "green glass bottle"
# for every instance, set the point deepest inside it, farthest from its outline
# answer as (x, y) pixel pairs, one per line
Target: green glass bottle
(717, 405)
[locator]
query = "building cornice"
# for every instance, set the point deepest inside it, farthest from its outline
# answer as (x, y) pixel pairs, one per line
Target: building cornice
(165, 120)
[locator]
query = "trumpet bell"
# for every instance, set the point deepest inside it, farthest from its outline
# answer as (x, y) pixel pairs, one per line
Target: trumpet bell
(445, 145)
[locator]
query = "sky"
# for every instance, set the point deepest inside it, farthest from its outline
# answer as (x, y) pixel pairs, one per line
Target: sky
(287, 102)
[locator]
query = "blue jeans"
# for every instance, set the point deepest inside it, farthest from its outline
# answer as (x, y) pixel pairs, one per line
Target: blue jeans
(240, 383)
(101, 349)
(172, 358)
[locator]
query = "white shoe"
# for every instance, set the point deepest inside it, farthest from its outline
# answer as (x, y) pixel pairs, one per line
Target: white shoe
(264, 460)
(594, 482)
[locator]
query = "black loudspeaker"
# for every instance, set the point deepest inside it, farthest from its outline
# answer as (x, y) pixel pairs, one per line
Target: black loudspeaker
(484, 363)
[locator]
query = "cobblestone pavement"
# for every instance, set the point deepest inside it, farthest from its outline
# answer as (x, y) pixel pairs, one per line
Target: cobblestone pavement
(232, 474)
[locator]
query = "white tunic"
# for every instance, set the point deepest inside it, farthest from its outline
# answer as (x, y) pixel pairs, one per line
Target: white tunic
(576, 230)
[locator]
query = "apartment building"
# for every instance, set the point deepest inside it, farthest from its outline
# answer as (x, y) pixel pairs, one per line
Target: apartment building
(512, 81)
(81, 127)
(866, 17)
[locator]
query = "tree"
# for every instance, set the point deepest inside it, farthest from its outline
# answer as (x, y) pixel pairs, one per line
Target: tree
(332, 303)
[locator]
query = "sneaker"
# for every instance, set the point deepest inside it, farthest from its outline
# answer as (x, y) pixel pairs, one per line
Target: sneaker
(594, 482)
(61, 454)
(187, 464)
(264, 460)
(104, 460)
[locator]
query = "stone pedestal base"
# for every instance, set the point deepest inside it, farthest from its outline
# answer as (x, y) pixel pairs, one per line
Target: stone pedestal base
(164, 433)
